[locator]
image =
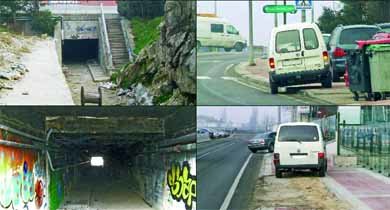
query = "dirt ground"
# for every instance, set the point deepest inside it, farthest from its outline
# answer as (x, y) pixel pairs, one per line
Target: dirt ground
(295, 192)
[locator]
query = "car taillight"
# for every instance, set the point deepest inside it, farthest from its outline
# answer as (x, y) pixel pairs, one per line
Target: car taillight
(346, 75)
(321, 155)
(325, 56)
(339, 52)
(271, 62)
(276, 158)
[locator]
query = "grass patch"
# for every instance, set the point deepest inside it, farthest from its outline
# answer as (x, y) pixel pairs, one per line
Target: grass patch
(3, 29)
(145, 32)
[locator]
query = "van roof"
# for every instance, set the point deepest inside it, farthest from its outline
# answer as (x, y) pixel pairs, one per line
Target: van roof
(298, 124)
(295, 26)
(212, 19)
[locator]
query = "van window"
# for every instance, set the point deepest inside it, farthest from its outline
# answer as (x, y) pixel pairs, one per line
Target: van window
(306, 133)
(231, 30)
(217, 28)
(288, 41)
(310, 39)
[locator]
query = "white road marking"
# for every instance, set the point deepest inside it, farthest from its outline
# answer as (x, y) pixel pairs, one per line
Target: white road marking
(203, 77)
(219, 148)
(233, 188)
(229, 78)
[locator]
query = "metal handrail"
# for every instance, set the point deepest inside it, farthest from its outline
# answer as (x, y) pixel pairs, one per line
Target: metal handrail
(106, 40)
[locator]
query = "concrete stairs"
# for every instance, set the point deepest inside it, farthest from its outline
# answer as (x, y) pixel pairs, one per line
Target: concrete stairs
(120, 55)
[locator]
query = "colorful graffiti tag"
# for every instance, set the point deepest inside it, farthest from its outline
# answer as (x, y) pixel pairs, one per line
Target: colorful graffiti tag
(182, 184)
(22, 176)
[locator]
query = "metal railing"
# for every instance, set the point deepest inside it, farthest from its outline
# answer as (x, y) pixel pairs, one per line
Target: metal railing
(105, 37)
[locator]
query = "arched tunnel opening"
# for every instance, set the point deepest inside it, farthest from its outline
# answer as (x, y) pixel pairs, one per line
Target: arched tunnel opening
(94, 158)
(80, 50)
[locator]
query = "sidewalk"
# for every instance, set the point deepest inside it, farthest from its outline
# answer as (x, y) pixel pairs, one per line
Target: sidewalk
(44, 84)
(362, 188)
(338, 94)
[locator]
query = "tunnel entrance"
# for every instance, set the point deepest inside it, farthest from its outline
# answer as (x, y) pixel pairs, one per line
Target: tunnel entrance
(80, 50)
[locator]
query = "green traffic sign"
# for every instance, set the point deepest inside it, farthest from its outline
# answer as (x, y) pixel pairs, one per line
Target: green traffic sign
(279, 9)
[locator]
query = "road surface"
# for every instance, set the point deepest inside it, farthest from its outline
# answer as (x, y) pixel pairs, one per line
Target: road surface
(216, 87)
(219, 163)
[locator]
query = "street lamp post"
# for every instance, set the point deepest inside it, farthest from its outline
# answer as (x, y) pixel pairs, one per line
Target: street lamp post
(251, 56)
(276, 16)
(215, 7)
(284, 14)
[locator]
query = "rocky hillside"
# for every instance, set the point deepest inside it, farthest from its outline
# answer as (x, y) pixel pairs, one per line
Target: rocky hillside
(167, 67)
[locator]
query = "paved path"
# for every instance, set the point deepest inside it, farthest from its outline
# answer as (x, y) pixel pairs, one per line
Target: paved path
(44, 84)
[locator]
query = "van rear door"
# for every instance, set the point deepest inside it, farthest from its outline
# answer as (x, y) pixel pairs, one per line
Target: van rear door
(298, 145)
(288, 48)
(313, 48)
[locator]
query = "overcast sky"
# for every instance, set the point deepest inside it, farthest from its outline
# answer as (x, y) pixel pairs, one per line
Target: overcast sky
(237, 114)
(236, 12)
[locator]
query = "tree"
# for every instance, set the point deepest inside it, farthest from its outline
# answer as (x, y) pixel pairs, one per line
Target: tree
(142, 9)
(10, 9)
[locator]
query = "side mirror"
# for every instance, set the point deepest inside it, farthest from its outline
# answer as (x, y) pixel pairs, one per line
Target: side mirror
(328, 47)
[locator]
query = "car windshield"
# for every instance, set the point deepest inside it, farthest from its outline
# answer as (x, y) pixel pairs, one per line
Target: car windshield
(298, 133)
(350, 36)
(288, 41)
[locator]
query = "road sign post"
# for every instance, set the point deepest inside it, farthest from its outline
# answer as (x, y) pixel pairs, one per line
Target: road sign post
(303, 5)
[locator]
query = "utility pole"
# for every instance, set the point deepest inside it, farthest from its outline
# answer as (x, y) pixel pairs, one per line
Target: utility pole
(303, 16)
(284, 14)
(215, 7)
(312, 12)
(251, 56)
(279, 115)
(276, 16)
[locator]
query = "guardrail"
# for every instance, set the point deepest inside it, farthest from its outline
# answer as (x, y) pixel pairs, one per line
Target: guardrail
(106, 41)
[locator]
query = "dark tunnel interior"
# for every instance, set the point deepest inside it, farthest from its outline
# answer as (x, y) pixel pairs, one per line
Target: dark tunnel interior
(80, 50)
(132, 142)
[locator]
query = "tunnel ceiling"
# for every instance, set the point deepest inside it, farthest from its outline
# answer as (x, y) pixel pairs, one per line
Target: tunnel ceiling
(107, 126)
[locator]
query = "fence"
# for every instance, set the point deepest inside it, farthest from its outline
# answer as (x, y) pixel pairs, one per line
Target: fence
(369, 142)
(328, 126)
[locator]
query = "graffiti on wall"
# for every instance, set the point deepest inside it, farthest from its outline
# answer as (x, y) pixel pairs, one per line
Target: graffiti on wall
(182, 184)
(22, 177)
(80, 30)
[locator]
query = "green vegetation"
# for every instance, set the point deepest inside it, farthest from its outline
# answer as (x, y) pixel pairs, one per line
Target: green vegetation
(162, 99)
(145, 32)
(355, 12)
(3, 29)
(44, 22)
(56, 188)
(141, 9)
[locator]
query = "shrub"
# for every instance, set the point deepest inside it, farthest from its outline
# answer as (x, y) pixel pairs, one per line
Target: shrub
(44, 22)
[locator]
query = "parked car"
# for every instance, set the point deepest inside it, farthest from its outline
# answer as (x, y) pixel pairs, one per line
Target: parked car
(300, 146)
(326, 38)
(262, 142)
(298, 55)
(206, 131)
(385, 27)
(218, 32)
(343, 40)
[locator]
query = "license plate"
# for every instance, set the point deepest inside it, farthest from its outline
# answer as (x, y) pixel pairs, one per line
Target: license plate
(293, 62)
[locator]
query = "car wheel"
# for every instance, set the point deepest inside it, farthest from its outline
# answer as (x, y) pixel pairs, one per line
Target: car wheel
(271, 148)
(273, 87)
(327, 83)
(355, 96)
(228, 49)
(335, 76)
(239, 47)
(377, 96)
(253, 150)
(321, 172)
(278, 173)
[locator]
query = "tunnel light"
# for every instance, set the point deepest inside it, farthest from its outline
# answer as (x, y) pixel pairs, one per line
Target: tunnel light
(97, 161)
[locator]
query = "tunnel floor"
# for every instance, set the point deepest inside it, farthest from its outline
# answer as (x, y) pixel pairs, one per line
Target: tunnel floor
(103, 193)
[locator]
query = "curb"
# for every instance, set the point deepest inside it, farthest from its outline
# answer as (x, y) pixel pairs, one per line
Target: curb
(260, 83)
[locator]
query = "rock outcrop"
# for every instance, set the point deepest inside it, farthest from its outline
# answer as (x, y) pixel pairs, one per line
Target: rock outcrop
(167, 67)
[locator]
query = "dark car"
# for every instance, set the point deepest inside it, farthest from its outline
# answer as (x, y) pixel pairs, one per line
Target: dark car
(262, 142)
(385, 27)
(343, 40)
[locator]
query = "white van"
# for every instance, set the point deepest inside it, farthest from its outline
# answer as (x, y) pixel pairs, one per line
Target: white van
(299, 146)
(218, 32)
(298, 55)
